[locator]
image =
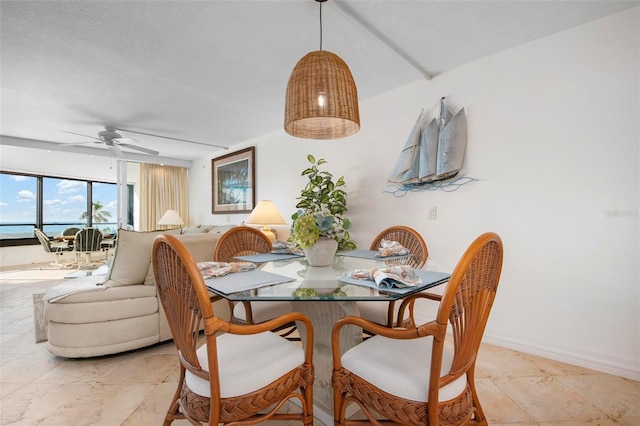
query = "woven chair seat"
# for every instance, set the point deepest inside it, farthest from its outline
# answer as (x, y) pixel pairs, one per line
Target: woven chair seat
(247, 363)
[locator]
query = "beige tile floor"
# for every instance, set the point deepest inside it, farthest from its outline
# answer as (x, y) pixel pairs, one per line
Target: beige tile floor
(134, 388)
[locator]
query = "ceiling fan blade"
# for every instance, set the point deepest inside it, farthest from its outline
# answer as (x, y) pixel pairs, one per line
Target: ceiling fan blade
(114, 150)
(80, 134)
(139, 148)
(121, 141)
(173, 139)
(79, 143)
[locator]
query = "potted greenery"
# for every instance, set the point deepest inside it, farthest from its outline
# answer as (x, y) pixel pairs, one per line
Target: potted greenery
(322, 204)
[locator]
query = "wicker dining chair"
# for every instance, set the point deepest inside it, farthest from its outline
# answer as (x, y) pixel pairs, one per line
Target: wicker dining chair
(384, 313)
(242, 241)
(421, 376)
(242, 373)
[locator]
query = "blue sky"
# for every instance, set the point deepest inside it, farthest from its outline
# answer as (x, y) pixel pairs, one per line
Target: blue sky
(64, 200)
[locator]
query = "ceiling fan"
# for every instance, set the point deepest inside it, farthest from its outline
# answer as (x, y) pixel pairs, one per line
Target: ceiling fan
(113, 141)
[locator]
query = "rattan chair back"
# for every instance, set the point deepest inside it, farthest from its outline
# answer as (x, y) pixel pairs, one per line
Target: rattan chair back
(408, 238)
(465, 308)
(413, 241)
(187, 305)
(241, 241)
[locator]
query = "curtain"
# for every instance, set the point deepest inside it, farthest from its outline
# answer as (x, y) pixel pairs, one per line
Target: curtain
(162, 188)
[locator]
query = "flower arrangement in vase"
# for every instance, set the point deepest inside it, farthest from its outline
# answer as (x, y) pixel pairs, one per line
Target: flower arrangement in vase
(322, 204)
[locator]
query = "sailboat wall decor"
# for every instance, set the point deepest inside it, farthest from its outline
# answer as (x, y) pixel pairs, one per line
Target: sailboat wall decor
(434, 151)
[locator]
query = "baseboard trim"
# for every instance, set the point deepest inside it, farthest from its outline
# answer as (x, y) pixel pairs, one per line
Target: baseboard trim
(605, 363)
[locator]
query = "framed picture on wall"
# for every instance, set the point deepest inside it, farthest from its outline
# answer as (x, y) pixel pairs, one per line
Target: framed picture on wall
(233, 182)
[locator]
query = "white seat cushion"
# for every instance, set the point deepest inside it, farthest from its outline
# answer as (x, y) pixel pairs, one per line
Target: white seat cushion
(247, 363)
(263, 311)
(377, 311)
(401, 367)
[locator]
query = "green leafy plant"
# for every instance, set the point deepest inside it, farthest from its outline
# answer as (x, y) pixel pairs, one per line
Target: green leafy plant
(98, 213)
(322, 204)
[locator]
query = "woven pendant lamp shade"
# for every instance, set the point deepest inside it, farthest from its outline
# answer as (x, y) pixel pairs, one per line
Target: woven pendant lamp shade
(322, 99)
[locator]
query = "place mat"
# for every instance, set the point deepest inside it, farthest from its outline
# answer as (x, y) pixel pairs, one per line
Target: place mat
(267, 257)
(242, 281)
(369, 254)
(428, 278)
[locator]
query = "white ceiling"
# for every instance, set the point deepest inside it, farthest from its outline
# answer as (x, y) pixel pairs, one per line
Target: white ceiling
(216, 71)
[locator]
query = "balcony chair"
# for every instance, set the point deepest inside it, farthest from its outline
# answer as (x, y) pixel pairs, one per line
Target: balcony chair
(384, 313)
(57, 248)
(67, 232)
(421, 376)
(87, 241)
(242, 373)
(242, 241)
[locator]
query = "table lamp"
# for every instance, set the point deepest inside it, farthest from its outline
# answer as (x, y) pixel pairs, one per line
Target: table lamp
(266, 213)
(171, 218)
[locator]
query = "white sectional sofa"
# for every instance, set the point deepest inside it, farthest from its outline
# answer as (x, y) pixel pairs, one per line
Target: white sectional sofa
(96, 316)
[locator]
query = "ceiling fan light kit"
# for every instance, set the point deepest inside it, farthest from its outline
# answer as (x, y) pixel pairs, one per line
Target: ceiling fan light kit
(322, 99)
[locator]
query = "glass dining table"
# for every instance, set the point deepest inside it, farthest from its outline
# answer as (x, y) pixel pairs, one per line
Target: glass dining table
(324, 294)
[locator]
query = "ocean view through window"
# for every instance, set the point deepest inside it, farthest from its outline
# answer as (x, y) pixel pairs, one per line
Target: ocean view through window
(53, 204)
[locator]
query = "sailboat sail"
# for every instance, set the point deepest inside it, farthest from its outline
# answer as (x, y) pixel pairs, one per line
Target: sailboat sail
(434, 150)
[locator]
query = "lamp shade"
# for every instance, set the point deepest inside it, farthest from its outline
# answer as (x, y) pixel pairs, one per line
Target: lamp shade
(322, 99)
(170, 217)
(265, 213)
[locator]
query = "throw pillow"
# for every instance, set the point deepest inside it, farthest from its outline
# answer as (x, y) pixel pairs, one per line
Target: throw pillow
(133, 257)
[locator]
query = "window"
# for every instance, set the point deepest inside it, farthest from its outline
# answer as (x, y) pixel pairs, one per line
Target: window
(104, 207)
(64, 202)
(52, 204)
(18, 205)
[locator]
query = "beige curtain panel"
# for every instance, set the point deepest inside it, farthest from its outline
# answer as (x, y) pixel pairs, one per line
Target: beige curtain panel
(162, 188)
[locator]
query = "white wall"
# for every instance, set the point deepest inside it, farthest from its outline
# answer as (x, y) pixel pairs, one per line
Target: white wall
(553, 140)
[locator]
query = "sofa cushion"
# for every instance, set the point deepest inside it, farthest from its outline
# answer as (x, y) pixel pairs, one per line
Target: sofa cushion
(220, 229)
(133, 256)
(195, 229)
(201, 247)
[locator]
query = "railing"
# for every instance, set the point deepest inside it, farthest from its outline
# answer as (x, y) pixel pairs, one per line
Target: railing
(24, 231)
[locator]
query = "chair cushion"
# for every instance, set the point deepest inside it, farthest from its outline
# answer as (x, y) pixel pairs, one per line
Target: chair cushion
(247, 363)
(401, 367)
(377, 311)
(263, 311)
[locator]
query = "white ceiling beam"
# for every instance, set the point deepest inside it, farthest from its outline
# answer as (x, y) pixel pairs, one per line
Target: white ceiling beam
(129, 156)
(348, 11)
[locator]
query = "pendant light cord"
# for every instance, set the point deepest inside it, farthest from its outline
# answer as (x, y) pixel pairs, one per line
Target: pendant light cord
(320, 25)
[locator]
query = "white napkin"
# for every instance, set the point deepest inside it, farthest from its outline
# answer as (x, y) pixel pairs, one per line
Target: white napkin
(220, 269)
(391, 248)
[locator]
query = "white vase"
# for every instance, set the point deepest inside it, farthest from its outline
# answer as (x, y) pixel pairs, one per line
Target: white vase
(322, 252)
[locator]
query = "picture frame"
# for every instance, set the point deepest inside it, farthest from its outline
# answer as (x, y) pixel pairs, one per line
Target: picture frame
(233, 182)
